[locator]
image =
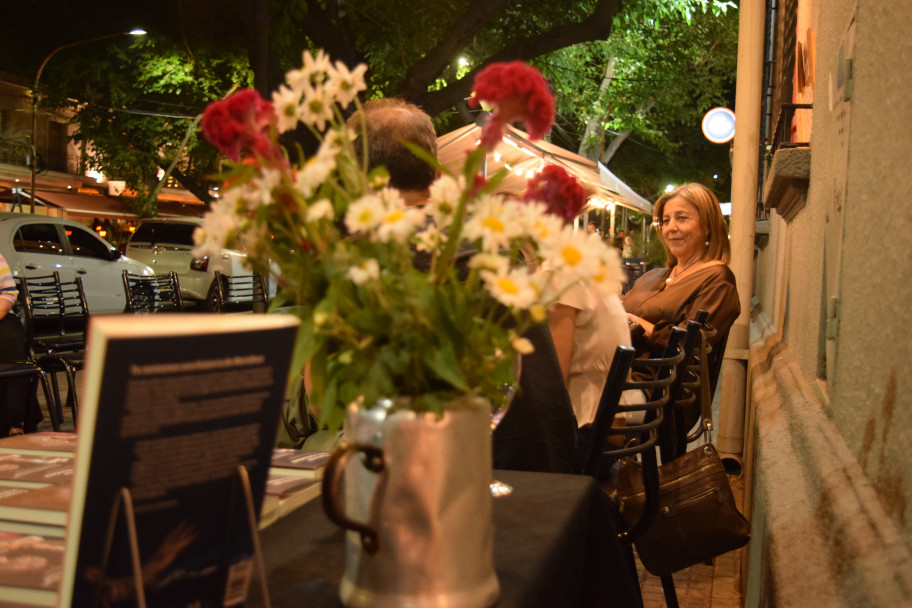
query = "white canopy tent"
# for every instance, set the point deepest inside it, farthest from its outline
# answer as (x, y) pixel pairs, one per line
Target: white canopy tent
(524, 157)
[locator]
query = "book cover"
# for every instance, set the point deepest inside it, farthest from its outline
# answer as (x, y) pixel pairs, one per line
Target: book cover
(173, 406)
(44, 443)
(34, 470)
(30, 569)
(47, 505)
(300, 463)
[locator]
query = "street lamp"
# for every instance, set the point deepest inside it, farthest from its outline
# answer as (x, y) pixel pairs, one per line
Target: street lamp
(34, 156)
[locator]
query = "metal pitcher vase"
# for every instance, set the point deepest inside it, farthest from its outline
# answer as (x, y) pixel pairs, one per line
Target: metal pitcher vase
(416, 507)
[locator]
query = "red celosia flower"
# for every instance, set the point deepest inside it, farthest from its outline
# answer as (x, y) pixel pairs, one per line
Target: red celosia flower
(240, 123)
(558, 190)
(517, 92)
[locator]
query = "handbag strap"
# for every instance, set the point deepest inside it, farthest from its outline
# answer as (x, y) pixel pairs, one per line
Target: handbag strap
(705, 398)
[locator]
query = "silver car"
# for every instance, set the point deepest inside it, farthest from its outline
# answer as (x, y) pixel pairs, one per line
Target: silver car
(38, 245)
(166, 245)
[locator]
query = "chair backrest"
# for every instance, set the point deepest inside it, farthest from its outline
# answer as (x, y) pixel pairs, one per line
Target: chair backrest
(152, 293)
(655, 377)
(243, 292)
(56, 314)
(684, 406)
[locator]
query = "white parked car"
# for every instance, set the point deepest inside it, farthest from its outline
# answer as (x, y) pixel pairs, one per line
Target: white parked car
(166, 244)
(37, 245)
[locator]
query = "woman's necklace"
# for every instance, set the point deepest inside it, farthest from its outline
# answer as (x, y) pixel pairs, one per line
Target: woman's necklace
(676, 272)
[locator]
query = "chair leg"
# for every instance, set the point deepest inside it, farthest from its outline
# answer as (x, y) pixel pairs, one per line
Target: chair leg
(71, 401)
(49, 400)
(55, 390)
(668, 588)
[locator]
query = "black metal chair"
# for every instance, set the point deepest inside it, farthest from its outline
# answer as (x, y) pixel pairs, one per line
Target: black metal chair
(657, 379)
(152, 293)
(240, 293)
(31, 371)
(56, 318)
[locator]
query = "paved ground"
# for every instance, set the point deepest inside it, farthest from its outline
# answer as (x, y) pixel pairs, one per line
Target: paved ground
(701, 586)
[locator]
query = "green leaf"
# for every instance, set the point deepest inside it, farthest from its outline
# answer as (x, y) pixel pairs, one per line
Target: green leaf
(442, 361)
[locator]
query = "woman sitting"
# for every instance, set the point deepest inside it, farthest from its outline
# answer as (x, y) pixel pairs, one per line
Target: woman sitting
(695, 237)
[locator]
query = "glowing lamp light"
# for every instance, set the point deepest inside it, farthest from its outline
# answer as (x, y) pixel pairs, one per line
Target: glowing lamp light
(719, 125)
(102, 233)
(497, 156)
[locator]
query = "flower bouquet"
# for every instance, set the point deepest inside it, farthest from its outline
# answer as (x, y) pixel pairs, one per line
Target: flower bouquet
(422, 307)
(342, 245)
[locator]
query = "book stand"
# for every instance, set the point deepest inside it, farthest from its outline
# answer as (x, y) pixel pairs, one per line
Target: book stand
(124, 498)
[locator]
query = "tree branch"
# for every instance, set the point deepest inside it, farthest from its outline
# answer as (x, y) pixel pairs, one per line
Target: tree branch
(596, 27)
(475, 17)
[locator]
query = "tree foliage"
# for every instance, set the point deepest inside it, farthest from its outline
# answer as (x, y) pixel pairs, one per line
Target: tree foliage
(136, 105)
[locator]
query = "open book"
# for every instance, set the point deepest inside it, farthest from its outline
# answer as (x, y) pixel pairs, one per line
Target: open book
(173, 406)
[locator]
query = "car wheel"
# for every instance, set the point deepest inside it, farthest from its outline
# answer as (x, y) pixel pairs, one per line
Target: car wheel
(212, 300)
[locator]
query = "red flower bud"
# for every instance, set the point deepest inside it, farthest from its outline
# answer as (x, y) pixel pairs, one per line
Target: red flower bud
(558, 190)
(518, 93)
(241, 123)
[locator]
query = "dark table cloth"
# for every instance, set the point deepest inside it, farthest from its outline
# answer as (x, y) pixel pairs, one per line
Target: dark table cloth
(555, 546)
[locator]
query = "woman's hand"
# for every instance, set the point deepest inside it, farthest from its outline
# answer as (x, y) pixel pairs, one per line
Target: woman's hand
(646, 325)
(5, 307)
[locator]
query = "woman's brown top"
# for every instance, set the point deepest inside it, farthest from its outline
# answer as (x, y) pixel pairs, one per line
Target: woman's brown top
(711, 288)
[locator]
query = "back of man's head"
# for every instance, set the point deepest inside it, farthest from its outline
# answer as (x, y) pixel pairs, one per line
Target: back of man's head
(389, 122)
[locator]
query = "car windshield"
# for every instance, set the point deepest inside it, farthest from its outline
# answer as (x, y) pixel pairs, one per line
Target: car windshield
(155, 232)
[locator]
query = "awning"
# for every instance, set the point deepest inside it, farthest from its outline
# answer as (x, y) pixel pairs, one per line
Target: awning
(80, 206)
(523, 157)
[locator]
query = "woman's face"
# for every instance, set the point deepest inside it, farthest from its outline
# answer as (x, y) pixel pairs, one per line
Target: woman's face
(681, 229)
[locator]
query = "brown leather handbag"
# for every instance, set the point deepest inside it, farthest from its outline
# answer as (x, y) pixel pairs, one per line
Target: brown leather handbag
(697, 518)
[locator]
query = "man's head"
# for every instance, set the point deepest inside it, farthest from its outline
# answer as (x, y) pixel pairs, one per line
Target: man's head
(591, 228)
(389, 122)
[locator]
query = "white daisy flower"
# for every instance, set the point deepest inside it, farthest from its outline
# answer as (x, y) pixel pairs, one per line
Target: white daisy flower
(258, 192)
(609, 274)
(218, 224)
(312, 72)
(491, 221)
(320, 210)
(445, 194)
(345, 85)
(314, 172)
(490, 261)
(368, 270)
(364, 214)
(285, 101)
(536, 222)
(399, 222)
(430, 239)
(521, 345)
(512, 288)
(316, 109)
(569, 252)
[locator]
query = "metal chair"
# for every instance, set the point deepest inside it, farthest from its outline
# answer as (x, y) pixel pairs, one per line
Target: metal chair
(56, 317)
(657, 378)
(152, 293)
(240, 293)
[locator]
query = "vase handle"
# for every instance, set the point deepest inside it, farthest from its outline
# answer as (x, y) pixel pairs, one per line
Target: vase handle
(332, 483)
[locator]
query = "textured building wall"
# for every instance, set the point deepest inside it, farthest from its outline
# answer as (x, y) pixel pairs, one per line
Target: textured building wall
(830, 421)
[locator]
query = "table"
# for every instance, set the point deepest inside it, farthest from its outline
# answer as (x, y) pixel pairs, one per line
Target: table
(555, 546)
